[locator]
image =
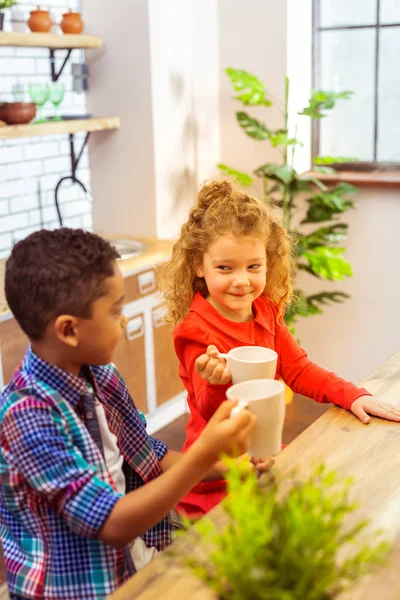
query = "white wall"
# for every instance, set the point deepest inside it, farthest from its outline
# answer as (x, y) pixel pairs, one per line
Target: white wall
(252, 37)
(159, 73)
(354, 337)
(185, 87)
(26, 164)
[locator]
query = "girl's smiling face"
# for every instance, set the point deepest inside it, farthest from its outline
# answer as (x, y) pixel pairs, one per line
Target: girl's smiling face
(234, 269)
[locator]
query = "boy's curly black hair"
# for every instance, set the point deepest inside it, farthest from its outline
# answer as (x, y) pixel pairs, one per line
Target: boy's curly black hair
(51, 273)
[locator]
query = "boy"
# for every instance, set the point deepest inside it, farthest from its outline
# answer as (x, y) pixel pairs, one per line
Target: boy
(80, 476)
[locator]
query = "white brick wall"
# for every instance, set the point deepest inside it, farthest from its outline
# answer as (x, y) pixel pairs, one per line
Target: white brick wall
(29, 163)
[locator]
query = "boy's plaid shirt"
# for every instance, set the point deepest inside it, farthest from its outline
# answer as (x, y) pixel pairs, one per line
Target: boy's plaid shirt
(56, 492)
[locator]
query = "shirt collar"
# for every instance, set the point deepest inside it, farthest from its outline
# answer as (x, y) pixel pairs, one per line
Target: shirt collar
(265, 315)
(70, 387)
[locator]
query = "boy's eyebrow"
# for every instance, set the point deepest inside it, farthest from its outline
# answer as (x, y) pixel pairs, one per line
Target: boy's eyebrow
(120, 300)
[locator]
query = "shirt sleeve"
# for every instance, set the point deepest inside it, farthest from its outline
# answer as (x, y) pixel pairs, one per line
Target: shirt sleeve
(39, 447)
(189, 345)
(305, 377)
(159, 447)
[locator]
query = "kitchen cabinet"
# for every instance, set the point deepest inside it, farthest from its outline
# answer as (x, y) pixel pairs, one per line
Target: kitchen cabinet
(145, 355)
(13, 343)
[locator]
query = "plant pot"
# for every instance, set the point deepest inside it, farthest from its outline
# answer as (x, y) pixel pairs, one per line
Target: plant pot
(1, 21)
(71, 22)
(17, 113)
(39, 21)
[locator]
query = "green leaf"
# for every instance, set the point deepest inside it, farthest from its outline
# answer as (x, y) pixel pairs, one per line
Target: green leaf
(280, 137)
(345, 189)
(331, 160)
(321, 101)
(334, 234)
(241, 178)
(314, 180)
(284, 542)
(282, 173)
(324, 206)
(254, 129)
(253, 90)
(326, 263)
(7, 4)
(324, 170)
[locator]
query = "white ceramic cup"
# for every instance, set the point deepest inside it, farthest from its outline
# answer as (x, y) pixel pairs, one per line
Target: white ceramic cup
(251, 362)
(265, 398)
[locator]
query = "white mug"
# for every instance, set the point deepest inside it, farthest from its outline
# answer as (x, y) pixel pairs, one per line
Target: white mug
(265, 398)
(251, 362)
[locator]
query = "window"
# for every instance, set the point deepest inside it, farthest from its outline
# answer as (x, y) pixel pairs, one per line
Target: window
(357, 47)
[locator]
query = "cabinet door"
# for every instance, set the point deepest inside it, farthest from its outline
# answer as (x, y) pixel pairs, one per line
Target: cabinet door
(130, 360)
(13, 343)
(168, 382)
(140, 285)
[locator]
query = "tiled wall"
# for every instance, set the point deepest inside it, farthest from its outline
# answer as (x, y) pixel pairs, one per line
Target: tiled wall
(31, 167)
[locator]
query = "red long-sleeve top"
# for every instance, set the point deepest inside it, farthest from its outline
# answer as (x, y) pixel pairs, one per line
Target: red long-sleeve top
(204, 326)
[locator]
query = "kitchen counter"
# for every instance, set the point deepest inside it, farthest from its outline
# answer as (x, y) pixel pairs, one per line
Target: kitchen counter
(157, 251)
(369, 452)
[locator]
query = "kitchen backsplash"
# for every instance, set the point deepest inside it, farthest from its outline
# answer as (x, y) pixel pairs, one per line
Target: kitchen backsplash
(31, 167)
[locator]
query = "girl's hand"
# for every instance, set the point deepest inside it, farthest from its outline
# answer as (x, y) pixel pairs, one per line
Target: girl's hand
(262, 465)
(212, 369)
(373, 406)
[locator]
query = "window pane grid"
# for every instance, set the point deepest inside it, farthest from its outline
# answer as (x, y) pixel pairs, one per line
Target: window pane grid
(320, 45)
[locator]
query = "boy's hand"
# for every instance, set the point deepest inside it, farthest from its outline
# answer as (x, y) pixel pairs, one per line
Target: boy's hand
(227, 435)
(369, 404)
(212, 369)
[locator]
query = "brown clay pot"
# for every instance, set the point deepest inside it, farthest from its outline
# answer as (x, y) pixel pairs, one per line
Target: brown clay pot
(71, 22)
(17, 113)
(39, 21)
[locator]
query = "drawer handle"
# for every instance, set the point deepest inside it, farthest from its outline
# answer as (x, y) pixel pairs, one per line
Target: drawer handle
(146, 282)
(134, 328)
(159, 316)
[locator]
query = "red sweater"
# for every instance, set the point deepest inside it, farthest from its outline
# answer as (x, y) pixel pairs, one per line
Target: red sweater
(204, 326)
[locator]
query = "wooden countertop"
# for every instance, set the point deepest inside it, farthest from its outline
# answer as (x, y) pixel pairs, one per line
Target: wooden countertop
(157, 251)
(369, 452)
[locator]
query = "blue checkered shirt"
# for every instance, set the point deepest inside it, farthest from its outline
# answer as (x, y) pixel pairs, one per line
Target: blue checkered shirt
(56, 492)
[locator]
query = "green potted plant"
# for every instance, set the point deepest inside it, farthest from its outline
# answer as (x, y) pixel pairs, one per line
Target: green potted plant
(5, 4)
(286, 540)
(318, 252)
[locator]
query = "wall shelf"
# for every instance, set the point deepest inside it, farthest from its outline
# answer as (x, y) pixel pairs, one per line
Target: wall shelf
(57, 127)
(49, 40)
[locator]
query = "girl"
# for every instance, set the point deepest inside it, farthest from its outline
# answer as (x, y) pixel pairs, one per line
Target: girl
(226, 285)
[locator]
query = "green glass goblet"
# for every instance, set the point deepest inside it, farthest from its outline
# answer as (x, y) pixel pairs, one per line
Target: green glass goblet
(39, 94)
(57, 90)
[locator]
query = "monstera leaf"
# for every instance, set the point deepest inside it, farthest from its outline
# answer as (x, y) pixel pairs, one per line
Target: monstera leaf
(251, 88)
(321, 101)
(325, 262)
(240, 177)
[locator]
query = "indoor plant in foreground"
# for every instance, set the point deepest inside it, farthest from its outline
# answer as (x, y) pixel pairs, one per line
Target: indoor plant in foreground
(318, 252)
(5, 4)
(286, 540)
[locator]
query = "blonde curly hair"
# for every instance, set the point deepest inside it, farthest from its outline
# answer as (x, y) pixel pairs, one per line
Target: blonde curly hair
(223, 210)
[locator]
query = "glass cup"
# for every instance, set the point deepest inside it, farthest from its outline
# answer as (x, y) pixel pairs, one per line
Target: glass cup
(57, 90)
(39, 94)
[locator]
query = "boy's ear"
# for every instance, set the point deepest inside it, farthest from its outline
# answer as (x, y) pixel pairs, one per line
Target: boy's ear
(66, 330)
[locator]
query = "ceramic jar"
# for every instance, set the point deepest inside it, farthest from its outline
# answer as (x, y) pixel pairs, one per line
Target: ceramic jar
(39, 21)
(71, 22)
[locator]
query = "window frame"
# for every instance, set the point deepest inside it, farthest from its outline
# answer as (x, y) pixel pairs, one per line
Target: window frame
(374, 165)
